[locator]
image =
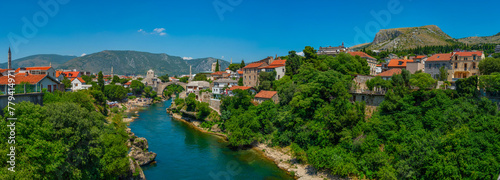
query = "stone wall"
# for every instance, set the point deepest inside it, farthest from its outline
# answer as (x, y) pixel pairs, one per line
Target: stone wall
(36, 98)
(370, 99)
(215, 104)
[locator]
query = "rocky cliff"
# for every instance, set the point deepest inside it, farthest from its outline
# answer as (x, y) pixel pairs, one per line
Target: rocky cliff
(406, 38)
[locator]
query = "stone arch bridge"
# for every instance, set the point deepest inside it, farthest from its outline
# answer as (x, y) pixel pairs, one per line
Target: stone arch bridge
(160, 87)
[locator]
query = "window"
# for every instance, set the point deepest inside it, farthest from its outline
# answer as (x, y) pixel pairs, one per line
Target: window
(283, 69)
(465, 67)
(456, 58)
(474, 57)
(456, 65)
(474, 65)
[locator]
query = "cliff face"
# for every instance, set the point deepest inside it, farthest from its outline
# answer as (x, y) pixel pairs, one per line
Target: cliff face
(406, 38)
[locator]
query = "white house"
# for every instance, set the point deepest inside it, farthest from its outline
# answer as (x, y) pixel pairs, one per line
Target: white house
(78, 84)
(195, 86)
(278, 66)
(220, 84)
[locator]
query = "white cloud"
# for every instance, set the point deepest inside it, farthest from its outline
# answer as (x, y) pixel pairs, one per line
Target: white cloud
(83, 55)
(156, 31)
(300, 53)
(187, 58)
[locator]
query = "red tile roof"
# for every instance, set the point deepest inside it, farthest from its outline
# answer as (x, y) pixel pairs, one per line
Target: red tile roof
(239, 87)
(128, 83)
(275, 64)
(440, 57)
(265, 94)
(22, 77)
(3, 70)
(220, 73)
(361, 54)
(240, 72)
(477, 53)
(34, 68)
(254, 65)
(379, 65)
(390, 72)
(398, 63)
(79, 78)
(420, 57)
(68, 74)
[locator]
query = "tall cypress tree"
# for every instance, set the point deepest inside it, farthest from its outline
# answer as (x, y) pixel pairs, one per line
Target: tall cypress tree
(100, 81)
(217, 66)
(242, 63)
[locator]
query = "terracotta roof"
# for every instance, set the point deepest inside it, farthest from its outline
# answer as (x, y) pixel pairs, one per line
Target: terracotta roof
(477, 53)
(3, 70)
(22, 77)
(240, 72)
(379, 65)
(254, 65)
(239, 87)
(440, 57)
(360, 54)
(275, 64)
(419, 57)
(79, 78)
(265, 94)
(128, 83)
(34, 68)
(220, 73)
(69, 74)
(398, 63)
(390, 72)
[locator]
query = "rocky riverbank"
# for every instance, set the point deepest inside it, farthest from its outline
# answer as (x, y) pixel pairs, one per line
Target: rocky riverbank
(139, 155)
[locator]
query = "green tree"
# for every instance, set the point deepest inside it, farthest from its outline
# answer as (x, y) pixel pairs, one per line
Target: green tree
(266, 80)
(164, 78)
(242, 63)
(87, 79)
(100, 81)
(217, 68)
(200, 77)
(240, 82)
(184, 79)
(234, 67)
(293, 63)
(115, 92)
(489, 65)
(191, 102)
(422, 81)
(467, 87)
(137, 87)
(443, 74)
(67, 83)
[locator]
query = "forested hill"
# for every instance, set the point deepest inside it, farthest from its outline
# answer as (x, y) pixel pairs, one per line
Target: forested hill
(134, 62)
(39, 60)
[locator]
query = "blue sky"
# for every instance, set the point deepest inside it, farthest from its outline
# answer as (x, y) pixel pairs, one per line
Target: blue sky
(238, 29)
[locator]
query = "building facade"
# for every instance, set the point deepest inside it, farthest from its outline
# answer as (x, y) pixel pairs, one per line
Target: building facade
(332, 51)
(220, 85)
(266, 95)
(435, 62)
(278, 66)
(251, 73)
(464, 64)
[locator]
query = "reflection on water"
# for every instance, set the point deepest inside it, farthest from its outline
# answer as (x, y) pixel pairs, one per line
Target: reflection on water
(185, 153)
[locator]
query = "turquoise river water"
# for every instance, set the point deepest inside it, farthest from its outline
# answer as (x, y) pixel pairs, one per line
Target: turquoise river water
(185, 153)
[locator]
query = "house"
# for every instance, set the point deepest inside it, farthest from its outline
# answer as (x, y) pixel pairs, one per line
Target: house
(418, 64)
(251, 73)
(127, 84)
(378, 69)
(398, 63)
(37, 70)
(332, 51)
(372, 62)
(230, 90)
(277, 65)
(36, 82)
(464, 64)
(195, 86)
(266, 95)
(219, 75)
(68, 74)
(78, 84)
(435, 62)
(240, 74)
(173, 79)
(386, 75)
(220, 85)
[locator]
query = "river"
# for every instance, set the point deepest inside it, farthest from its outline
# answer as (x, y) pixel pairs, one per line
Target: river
(186, 153)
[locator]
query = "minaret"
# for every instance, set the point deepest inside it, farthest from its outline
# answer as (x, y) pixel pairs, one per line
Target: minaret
(231, 60)
(50, 64)
(9, 66)
(190, 75)
(111, 71)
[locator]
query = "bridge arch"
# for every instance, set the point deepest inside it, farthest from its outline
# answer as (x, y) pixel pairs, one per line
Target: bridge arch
(162, 86)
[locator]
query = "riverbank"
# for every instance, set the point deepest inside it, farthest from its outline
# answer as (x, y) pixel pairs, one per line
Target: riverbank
(280, 157)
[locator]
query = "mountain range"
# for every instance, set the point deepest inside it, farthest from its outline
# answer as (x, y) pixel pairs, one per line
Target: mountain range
(123, 62)
(412, 37)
